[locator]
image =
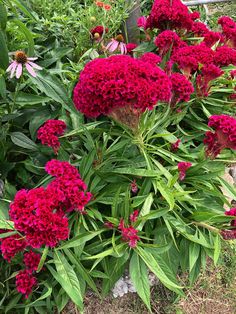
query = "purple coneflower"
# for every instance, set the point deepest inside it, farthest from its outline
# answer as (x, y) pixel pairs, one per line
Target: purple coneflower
(117, 44)
(20, 60)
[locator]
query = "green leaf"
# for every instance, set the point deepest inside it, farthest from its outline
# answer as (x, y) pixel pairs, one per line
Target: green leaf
(166, 193)
(145, 209)
(3, 91)
(53, 88)
(30, 99)
(139, 276)
(28, 36)
(24, 9)
(194, 252)
(67, 278)
(22, 140)
(157, 270)
(6, 224)
(217, 249)
(43, 258)
(4, 59)
(80, 239)
(3, 16)
(42, 297)
(137, 172)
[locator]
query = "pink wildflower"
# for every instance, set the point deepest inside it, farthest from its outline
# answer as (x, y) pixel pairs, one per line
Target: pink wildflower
(21, 60)
(117, 44)
(183, 167)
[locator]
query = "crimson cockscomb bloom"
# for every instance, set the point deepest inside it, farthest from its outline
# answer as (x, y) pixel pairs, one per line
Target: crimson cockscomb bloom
(166, 14)
(12, 245)
(118, 82)
(129, 234)
(167, 40)
(134, 216)
(222, 136)
(182, 88)
(31, 260)
(25, 282)
(175, 145)
(151, 58)
(49, 132)
(183, 167)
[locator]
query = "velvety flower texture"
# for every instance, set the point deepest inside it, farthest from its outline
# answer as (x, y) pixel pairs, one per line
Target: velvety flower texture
(151, 58)
(25, 282)
(199, 28)
(189, 58)
(49, 132)
(181, 88)
(225, 56)
(209, 72)
(119, 81)
(229, 30)
(31, 261)
(129, 234)
(130, 47)
(167, 40)
(224, 135)
(169, 15)
(12, 245)
(183, 167)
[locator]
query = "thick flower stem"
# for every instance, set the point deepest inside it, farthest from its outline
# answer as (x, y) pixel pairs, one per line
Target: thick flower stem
(206, 226)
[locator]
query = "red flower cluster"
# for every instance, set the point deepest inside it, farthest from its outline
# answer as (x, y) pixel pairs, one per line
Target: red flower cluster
(100, 30)
(142, 22)
(229, 30)
(49, 132)
(31, 261)
(151, 58)
(103, 5)
(199, 29)
(175, 145)
(134, 216)
(181, 88)
(209, 72)
(211, 38)
(225, 56)
(230, 234)
(25, 282)
(12, 245)
(224, 135)
(188, 58)
(183, 167)
(167, 40)
(118, 81)
(169, 14)
(134, 187)
(130, 47)
(129, 234)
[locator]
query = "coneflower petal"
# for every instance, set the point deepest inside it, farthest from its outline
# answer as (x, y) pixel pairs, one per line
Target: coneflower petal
(11, 66)
(30, 70)
(32, 59)
(18, 70)
(34, 65)
(13, 69)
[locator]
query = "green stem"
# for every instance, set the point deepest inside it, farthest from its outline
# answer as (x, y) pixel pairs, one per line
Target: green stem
(206, 226)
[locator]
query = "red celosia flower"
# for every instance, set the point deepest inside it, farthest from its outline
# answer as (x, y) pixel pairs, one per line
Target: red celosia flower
(134, 187)
(225, 56)
(229, 30)
(228, 234)
(209, 72)
(12, 245)
(129, 234)
(130, 47)
(142, 22)
(183, 167)
(99, 4)
(175, 145)
(195, 15)
(211, 38)
(25, 282)
(98, 30)
(107, 7)
(189, 58)
(181, 88)
(49, 132)
(109, 225)
(151, 58)
(232, 212)
(166, 14)
(199, 29)
(233, 74)
(167, 40)
(31, 261)
(224, 135)
(134, 216)
(119, 81)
